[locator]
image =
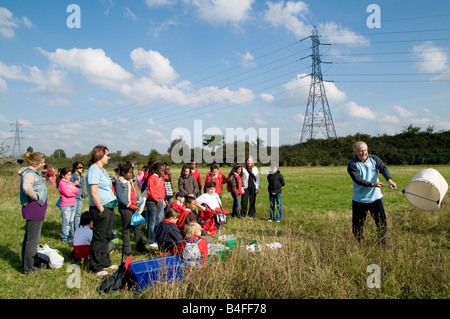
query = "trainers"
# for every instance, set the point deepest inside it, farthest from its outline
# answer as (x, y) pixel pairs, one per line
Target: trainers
(269, 220)
(112, 267)
(101, 273)
(154, 246)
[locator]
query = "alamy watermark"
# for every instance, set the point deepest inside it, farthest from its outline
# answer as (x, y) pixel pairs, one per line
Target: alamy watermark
(374, 20)
(74, 279)
(374, 280)
(74, 19)
(213, 152)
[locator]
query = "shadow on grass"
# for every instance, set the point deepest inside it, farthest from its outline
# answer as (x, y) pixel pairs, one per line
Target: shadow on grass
(12, 257)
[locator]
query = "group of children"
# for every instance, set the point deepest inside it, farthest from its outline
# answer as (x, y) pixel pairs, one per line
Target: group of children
(181, 226)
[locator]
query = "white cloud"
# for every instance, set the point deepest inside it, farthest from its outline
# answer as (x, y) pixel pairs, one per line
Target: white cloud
(297, 91)
(7, 23)
(403, 112)
(27, 22)
(222, 11)
(157, 137)
(128, 13)
(288, 15)
(336, 34)
(158, 3)
(99, 69)
(92, 63)
(99, 102)
(247, 59)
(50, 82)
(267, 98)
(159, 67)
(3, 119)
(291, 16)
(359, 112)
(432, 58)
(11, 73)
(258, 119)
(163, 26)
(59, 102)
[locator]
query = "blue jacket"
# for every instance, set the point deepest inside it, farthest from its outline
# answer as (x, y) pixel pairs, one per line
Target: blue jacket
(82, 193)
(39, 187)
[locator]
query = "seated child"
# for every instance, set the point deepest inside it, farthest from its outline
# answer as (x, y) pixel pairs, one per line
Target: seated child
(188, 216)
(83, 236)
(179, 203)
(194, 249)
(210, 198)
(213, 205)
(167, 233)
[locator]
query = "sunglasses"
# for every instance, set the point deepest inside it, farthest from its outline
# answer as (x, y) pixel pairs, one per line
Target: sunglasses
(80, 167)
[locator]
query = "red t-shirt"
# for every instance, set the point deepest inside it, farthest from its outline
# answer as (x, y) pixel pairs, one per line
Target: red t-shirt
(156, 188)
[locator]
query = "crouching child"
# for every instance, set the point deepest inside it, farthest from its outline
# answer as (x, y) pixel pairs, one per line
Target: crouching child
(193, 249)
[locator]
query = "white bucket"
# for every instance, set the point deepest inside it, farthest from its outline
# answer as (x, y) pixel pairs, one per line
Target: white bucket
(429, 184)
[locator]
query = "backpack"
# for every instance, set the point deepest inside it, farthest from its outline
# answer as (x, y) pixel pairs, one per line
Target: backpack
(191, 253)
(118, 280)
(168, 186)
(115, 282)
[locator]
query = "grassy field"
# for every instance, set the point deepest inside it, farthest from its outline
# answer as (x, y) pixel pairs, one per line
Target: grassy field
(319, 257)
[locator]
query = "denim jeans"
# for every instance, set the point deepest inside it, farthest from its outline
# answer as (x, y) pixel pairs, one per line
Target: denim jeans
(277, 198)
(235, 212)
(154, 217)
(78, 207)
(67, 226)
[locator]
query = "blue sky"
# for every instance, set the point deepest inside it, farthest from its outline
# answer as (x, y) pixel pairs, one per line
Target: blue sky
(136, 73)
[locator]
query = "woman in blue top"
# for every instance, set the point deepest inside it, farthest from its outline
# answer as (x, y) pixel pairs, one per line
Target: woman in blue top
(363, 170)
(78, 180)
(102, 202)
(33, 198)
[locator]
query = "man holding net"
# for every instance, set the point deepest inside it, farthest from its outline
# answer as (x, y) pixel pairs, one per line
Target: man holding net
(363, 169)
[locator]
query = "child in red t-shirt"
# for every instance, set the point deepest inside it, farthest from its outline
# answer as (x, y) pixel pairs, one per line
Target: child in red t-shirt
(178, 204)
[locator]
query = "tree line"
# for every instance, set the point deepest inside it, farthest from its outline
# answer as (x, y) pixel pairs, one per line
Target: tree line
(410, 147)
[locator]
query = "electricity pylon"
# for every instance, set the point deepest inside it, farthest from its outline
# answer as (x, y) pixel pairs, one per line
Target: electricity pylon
(17, 150)
(318, 114)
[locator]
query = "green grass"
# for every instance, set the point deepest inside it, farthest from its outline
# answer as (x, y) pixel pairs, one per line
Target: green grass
(319, 258)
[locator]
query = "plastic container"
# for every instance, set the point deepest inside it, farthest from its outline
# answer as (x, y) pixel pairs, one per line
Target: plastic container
(240, 242)
(159, 270)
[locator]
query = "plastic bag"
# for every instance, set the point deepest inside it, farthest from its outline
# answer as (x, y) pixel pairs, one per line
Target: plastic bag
(136, 219)
(142, 200)
(56, 260)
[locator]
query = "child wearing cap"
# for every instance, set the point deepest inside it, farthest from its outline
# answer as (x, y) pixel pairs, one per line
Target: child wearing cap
(179, 203)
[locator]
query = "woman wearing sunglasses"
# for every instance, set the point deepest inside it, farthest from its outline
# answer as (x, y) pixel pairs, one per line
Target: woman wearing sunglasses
(78, 180)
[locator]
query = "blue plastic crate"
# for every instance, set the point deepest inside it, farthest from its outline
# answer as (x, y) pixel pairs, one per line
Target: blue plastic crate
(150, 272)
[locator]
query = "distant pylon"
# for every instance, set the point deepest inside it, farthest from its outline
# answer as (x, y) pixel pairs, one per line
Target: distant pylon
(318, 114)
(17, 150)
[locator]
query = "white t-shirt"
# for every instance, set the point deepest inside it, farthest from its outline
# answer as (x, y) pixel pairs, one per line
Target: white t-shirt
(211, 200)
(82, 236)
